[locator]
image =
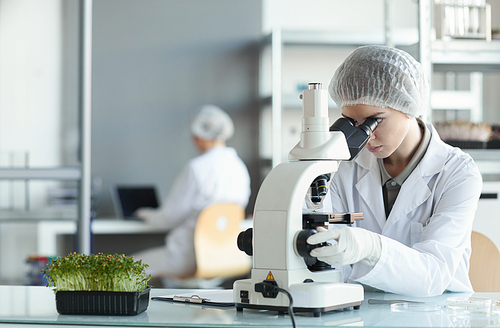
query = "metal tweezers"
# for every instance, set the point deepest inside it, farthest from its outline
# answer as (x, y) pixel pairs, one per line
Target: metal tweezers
(192, 299)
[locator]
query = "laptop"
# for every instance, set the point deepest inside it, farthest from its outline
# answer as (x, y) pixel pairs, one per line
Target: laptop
(127, 199)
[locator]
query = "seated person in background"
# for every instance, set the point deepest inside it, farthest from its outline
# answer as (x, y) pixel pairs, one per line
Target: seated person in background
(217, 175)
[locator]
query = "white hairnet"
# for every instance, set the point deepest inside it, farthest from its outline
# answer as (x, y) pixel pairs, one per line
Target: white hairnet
(383, 77)
(212, 123)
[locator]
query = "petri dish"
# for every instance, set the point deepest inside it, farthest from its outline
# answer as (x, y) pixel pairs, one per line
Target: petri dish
(468, 304)
(495, 307)
(415, 307)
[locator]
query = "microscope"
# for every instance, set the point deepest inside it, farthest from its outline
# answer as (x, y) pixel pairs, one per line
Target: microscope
(277, 241)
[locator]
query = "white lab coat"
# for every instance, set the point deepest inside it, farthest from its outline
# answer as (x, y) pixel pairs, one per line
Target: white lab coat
(426, 238)
(218, 175)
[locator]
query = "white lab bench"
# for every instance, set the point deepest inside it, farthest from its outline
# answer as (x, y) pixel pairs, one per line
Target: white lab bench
(24, 306)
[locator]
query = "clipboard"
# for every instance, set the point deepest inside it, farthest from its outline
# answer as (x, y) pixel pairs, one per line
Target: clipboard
(218, 297)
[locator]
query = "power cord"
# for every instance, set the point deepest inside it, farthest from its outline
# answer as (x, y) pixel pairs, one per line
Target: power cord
(270, 289)
(290, 305)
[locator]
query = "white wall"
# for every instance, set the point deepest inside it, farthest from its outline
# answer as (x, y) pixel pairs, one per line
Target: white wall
(154, 63)
(30, 110)
(30, 88)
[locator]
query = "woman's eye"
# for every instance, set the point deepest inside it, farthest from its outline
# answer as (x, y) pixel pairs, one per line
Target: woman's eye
(353, 121)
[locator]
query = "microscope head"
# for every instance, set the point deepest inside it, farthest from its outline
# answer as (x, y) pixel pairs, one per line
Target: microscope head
(318, 140)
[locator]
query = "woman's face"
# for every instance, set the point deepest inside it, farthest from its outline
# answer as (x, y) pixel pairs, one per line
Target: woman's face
(200, 144)
(391, 130)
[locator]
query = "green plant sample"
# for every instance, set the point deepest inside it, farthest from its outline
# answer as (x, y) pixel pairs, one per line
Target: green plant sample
(97, 272)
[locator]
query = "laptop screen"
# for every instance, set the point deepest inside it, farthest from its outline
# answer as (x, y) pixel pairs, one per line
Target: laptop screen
(127, 199)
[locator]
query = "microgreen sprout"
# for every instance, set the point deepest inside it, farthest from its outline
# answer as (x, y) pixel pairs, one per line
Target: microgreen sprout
(96, 272)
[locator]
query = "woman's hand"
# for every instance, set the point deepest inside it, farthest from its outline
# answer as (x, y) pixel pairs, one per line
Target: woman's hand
(353, 245)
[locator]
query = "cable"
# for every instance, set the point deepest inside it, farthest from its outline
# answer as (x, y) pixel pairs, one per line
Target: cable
(290, 305)
(269, 288)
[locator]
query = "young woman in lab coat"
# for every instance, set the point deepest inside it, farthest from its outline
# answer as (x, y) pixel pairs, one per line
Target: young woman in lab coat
(418, 194)
(217, 175)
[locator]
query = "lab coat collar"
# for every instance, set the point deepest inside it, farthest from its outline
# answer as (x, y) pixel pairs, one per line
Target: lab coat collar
(437, 153)
(366, 160)
(369, 186)
(408, 200)
(431, 164)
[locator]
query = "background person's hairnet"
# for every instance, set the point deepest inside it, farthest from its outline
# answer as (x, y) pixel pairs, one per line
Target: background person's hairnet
(212, 123)
(383, 77)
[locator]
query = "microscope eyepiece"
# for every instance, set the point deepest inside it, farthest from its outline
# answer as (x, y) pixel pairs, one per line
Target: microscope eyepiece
(369, 125)
(356, 136)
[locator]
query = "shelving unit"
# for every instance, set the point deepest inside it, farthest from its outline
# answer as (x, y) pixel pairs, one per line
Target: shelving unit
(471, 56)
(450, 55)
(275, 100)
(466, 55)
(475, 57)
(81, 173)
(61, 173)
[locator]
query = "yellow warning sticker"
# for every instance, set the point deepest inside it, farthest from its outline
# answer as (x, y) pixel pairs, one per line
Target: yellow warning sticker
(270, 276)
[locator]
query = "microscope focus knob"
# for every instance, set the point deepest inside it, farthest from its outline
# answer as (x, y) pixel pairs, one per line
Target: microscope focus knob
(245, 241)
(302, 248)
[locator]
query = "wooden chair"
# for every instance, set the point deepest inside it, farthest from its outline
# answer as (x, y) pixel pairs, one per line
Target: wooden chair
(215, 242)
(484, 270)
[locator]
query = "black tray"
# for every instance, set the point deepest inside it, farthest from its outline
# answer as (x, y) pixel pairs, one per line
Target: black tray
(493, 144)
(467, 144)
(102, 303)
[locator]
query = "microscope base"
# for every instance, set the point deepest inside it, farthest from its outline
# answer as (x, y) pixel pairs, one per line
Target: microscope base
(284, 309)
(313, 297)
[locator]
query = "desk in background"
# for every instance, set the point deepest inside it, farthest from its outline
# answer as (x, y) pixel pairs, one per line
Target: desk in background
(49, 231)
(36, 306)
(43, 227)
(125, 236)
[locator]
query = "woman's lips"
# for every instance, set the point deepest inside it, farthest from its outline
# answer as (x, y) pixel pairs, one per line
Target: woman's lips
(374, 149)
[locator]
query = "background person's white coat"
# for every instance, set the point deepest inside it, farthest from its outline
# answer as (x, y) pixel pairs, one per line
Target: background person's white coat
(218, 175)
(426, 242)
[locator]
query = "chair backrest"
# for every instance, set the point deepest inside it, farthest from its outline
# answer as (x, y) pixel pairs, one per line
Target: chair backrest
(215, 242)
(484, 270)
